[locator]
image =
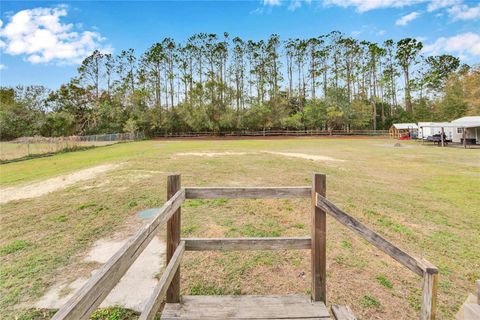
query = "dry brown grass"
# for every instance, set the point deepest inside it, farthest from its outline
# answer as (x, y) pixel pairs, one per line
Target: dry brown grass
(424, 199)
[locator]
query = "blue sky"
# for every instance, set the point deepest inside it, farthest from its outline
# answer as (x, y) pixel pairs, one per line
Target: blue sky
(42, 42)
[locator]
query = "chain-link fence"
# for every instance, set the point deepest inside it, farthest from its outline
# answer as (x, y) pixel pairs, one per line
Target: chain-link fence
(26, 147)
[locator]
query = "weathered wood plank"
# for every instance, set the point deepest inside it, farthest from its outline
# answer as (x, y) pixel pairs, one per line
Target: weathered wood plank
(478, 292)
(87, 299)
(319, 241)
(155, 300)
(237, 244)
(416, 265)
(173, 237)
(247, 193)
(245, 307)
(343, 312)
(429, 296)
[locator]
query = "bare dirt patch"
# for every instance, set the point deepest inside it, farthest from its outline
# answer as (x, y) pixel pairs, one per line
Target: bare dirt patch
(41, 188)
(211, 154)
(140, 276)
(313, 157)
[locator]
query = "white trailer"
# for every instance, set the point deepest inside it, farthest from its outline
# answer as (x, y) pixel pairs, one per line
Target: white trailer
(428, 129)
(471, 126)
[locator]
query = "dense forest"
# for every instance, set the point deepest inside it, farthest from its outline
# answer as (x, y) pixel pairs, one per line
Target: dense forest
(218, 83)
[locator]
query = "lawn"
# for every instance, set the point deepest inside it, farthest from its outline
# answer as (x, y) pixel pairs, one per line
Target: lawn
(11, 151)
(425, 199)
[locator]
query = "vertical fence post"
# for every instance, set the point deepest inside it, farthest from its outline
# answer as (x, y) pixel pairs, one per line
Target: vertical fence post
(319, 241)
(441, 138)
(173, 238)
(478, 291)
(429, 295)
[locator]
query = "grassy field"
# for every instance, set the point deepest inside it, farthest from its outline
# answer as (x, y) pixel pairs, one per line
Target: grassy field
(11, 151)
(425, 199)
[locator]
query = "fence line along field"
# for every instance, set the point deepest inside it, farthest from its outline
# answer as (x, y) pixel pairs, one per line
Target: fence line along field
(424, 199)
(27, 147)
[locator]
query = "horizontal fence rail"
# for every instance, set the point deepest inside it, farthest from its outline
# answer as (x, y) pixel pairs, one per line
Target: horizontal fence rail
(91, 295)
(240, 244)
(156, 299)
(248, 193)
(421, 267)
(246, 133)
(416, 265)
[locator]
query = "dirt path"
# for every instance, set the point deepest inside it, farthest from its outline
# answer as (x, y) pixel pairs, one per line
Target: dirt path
(313, 157)
(131, 292)
(38, 189)
(212, 154)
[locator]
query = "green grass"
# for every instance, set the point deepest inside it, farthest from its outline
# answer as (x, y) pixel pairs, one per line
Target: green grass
(37, 169)
(424, 199)
(14, 246)
(368, 301)
(382, 279)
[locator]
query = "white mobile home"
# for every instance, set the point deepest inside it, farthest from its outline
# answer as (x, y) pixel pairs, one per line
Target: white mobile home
(428, 129)
(471, 126)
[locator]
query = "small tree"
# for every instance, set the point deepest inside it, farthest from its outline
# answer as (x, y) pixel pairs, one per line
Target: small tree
(131, 127)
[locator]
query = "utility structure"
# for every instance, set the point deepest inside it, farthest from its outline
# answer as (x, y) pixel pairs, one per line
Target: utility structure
(91, 295)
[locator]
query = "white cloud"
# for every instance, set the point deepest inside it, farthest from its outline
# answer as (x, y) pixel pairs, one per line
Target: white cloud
(2, 66)
(294, 5)
(41, 36)
(403, 21)
(271, 2)
(464, 12)
(465, 45)
(356, 33)
(367, 5)
(440, 4)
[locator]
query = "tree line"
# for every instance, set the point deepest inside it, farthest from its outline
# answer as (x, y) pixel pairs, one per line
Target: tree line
(218, 83)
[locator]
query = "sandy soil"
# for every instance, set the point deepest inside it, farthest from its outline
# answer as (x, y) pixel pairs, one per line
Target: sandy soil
(140, 276)
(38, 189)
(306, 156)
(212, 154)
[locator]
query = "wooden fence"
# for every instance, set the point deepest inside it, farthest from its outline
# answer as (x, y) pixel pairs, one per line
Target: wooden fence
(272, 133)
(91, 295)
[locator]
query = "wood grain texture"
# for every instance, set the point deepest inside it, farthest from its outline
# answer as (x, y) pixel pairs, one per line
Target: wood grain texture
(418, 266)
(91, 295)
(478, 292)
(429, 296)
(238, 244)
(155, 300)
(173, 237)
(247, 193)
(343, 312)
(319, 241)
(245, 307)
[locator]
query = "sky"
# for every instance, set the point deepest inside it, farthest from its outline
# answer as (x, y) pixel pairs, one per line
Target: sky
(43, 42)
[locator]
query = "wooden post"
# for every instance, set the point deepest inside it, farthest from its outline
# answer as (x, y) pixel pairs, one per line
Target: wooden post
(429, 295)
(442, 137)
(464, 136)
(173, 238)
(319, 241)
